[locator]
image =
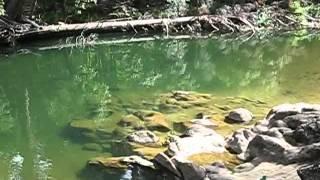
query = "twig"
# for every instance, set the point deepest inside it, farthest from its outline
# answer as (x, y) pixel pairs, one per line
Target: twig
(134, 29)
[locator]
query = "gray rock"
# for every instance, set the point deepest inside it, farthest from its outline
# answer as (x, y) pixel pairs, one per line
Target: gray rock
(239, 140)
(188, 146)
(138, 160)
(306, 127)
(244, 167)
(199, 130)
(284, 110)
(303, 153)
(267, 148)
(143, 137)
(218, 171)
(197, 139)
(240, 115)
(166, 162)
(309, 172)
(277, 123)
(190, 171)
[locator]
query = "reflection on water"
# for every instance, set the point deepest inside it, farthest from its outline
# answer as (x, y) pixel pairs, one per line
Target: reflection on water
(15, 169)
(42, 91)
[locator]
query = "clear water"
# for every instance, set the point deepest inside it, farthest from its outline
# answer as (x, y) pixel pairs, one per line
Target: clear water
(42, 91)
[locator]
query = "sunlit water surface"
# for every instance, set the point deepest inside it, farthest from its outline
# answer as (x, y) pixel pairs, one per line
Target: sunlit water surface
(42, 91)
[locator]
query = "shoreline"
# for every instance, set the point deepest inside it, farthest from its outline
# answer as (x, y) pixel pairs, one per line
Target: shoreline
(238, 19)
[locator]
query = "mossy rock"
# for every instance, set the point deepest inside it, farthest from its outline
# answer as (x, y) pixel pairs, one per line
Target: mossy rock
(120, 162)
(158, 123)
(129, 121)
(169, 108)
(203, 159)
(148, 152)
(108, 162)
(185, 99)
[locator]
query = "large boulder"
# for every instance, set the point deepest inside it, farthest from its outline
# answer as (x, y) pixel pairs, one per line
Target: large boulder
(185, 147)
(143, 137)
(289, 134)
(306, 128)
(268, 148)
(240, 115)
(197, 139)
(281, 111)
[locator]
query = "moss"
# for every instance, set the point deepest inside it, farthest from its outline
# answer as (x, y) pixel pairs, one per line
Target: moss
(208, 158)
(129, 120)
(109, 162)
(148, 152)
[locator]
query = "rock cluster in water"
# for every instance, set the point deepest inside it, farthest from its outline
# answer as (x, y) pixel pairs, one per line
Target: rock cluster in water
(286, 140)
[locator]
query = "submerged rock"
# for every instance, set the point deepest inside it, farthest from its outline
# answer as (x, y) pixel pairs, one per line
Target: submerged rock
(92, 147)
(153, 120)
(129, 120)
(158, 123)
(240, 115)
(143, 137)
(120, 162)
(186, 99)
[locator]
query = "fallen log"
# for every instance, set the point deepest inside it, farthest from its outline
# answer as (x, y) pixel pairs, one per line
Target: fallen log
(207, 23)
(192, 24)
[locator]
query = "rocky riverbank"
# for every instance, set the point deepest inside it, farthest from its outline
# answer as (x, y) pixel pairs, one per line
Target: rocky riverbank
(190, 136)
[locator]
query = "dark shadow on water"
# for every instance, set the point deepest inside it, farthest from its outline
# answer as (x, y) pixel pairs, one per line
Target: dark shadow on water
(107, 142)
(133, 173)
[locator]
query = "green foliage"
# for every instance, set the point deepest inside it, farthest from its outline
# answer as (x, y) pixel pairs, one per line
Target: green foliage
(2, 7)
(300, 11)
(304, 12)
(263, 18)
(176, 8)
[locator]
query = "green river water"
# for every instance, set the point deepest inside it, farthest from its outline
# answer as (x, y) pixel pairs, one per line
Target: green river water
(41, 91)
